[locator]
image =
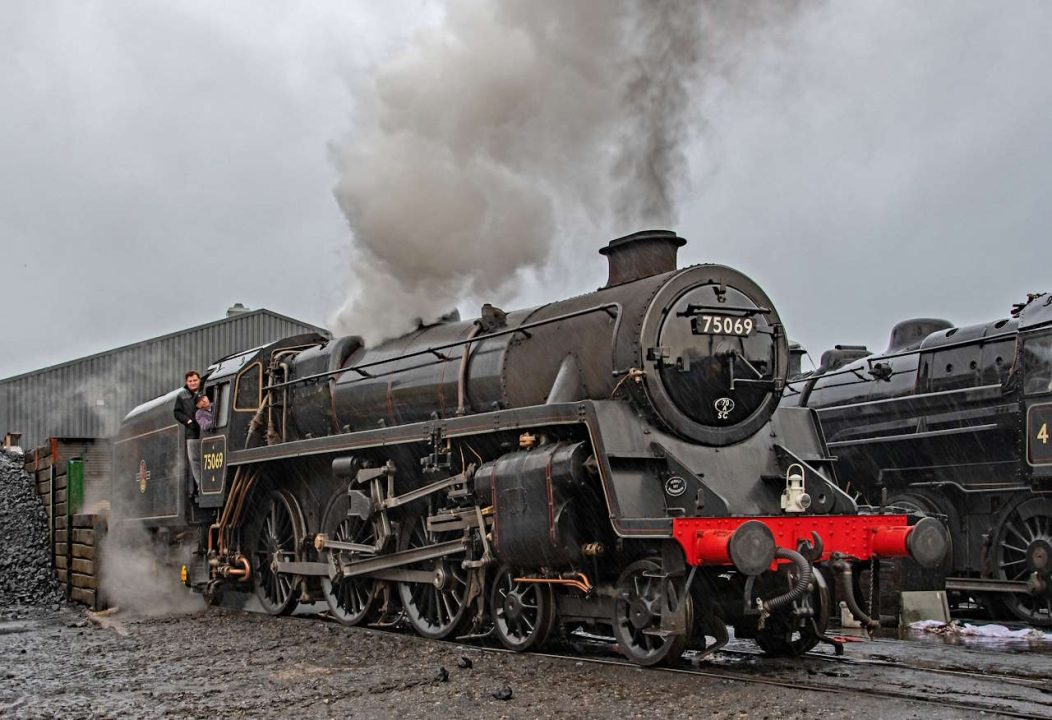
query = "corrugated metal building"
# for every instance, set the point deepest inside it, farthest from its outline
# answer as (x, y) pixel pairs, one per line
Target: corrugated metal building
(89, 397)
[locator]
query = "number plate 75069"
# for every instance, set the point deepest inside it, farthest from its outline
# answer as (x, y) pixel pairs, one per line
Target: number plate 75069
(722, 325)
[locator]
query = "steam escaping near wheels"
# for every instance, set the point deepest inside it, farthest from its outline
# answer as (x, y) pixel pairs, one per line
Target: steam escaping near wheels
(140, 572)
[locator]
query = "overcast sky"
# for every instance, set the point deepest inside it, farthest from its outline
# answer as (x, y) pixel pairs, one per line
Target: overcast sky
(160, 161)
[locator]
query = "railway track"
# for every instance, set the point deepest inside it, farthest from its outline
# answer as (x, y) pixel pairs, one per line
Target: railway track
(1021, 680)
(1028, 696)
(1032, 710)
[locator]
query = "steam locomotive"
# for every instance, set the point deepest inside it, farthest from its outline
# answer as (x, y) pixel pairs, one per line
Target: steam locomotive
(954, 422)
(616, 460)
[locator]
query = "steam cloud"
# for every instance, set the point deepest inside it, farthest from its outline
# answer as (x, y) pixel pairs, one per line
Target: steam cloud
(140, 575)
(511, 127)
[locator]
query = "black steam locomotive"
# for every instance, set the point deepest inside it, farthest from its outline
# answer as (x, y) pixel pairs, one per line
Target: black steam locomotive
(617, 459)
(954, 422)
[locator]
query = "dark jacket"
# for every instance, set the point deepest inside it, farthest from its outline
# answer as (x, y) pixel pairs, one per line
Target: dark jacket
(184, 414)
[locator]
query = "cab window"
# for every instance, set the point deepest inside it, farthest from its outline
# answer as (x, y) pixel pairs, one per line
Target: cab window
(222, 405)
(1037, 365)
(249, 389)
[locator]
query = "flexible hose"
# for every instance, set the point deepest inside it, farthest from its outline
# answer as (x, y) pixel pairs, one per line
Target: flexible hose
(847, 590)
(802, 585)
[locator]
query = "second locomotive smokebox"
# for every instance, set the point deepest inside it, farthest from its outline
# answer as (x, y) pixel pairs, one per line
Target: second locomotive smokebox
(533, 494)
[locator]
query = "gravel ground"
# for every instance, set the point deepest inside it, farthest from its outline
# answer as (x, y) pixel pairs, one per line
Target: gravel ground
(26, 577)
(229, 663)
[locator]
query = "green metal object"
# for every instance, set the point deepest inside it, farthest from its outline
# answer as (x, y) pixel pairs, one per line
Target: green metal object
(74, 487)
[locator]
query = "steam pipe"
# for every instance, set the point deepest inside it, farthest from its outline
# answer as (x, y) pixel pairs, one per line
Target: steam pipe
(578, 581)
(233, 507)
(284, 403)
(234, 486)
(237, 486)
(257, 420)
(244, 572)
(235, 518)
(847, 589)
(803, 583)
(462, 377)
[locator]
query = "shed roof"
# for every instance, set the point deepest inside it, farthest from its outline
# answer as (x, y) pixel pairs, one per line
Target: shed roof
(88, 396)
(145, 343)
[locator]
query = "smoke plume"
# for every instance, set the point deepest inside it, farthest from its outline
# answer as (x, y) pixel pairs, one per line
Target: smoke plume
(513, 128)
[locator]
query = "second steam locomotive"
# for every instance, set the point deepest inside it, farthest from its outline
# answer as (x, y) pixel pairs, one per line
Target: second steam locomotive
(955, 422)
(616, 460)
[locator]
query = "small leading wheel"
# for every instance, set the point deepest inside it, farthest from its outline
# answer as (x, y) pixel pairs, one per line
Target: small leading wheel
(523, 613)
(350, 599)
(784, 635)
(643, 591)
(436, 608)
(278, 527)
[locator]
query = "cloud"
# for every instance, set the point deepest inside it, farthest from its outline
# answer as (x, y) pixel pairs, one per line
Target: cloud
(162, 161)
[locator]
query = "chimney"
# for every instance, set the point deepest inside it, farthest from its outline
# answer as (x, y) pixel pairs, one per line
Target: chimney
(641, 254)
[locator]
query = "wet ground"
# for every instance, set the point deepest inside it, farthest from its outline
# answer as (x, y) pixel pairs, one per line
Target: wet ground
(67, 664)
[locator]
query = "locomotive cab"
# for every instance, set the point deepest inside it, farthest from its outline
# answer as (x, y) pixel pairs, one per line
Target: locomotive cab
(1035, 327)
(236, 387)
(152, 480)
(153, 483)
(219, 385)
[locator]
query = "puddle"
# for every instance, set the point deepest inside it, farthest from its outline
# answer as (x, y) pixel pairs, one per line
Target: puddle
(979, 635)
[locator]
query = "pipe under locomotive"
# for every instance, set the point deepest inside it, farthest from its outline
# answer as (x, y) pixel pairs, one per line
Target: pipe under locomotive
(614, 459)
(953, 422)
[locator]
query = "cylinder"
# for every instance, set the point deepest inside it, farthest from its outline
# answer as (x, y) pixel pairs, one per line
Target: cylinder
(535, 514)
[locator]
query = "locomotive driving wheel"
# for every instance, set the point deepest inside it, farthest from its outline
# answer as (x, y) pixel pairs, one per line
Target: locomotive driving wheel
(523, 613)
(278, 532)
(350, 599)
(643, 592)
(437, 608)
(785, 635)
(1022, 546)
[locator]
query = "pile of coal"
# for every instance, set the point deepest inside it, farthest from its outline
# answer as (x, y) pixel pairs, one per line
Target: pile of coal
(26, 577)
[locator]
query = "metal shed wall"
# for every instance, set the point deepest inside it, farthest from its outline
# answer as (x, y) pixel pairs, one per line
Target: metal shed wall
(90, 396)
